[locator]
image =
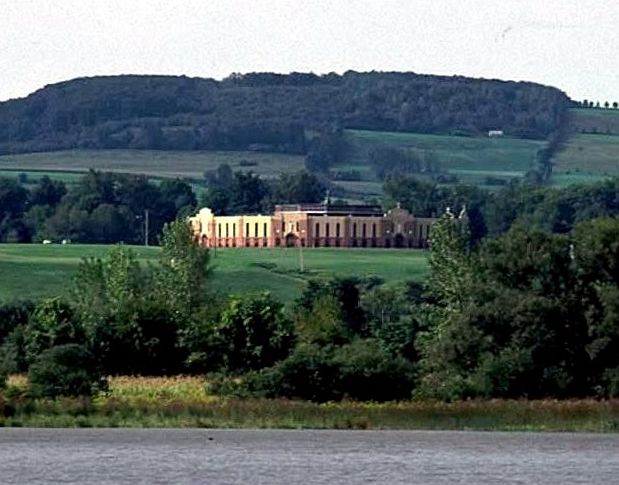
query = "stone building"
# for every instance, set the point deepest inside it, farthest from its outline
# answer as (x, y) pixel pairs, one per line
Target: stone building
(314, 225)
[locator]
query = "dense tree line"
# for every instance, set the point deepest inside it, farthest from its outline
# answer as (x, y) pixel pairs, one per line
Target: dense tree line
(101, 207)
(530, 314)
(265, 111)
(105, 207)
(549, 209)
(230, 192)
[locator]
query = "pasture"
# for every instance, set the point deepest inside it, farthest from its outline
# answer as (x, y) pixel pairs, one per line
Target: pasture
(588, 120)
(587, 157)
(153, 163)
(471, 159)
(33, 270)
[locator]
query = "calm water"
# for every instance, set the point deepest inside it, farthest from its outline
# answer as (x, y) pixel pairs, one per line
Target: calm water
(304, 457)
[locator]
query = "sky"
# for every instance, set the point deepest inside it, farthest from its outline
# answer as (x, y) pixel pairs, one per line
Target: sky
(570, 44)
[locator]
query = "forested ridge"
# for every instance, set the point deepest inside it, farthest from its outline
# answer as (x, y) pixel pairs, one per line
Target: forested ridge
(270, 112)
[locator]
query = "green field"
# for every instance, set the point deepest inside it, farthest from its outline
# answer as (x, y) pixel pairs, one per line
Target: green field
(32, 271)
(587, 158)
(470, 159)
(602, 121)
(154, 163)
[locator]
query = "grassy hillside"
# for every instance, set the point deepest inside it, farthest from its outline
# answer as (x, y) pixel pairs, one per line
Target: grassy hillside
(190, 164)
(595, 121)
(587, 158)
(591, 152)
(31, 271)
(470, 159)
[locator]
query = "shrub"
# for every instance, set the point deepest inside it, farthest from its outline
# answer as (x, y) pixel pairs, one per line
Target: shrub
(309, 373)
(369, 373)
(12, 315)
(361, 370)
(65, 370)
(250, 333)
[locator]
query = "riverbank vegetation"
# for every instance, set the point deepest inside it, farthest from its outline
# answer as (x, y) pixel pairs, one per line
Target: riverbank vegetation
(182, 401)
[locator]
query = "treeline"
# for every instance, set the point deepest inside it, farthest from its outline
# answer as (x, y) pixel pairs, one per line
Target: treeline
(527, 315)
(229, 192)
(271, 112)
(105, 207)
(530, 314)
(548, 209)
(102, 207)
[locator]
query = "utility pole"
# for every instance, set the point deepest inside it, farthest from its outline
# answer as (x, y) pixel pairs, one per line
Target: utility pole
(146, 213)
(301, 262)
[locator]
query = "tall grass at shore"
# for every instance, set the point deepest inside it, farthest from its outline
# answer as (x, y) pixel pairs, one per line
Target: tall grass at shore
(182, 401)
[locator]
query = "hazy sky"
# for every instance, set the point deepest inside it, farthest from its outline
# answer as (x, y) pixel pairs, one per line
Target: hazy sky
(571, 44)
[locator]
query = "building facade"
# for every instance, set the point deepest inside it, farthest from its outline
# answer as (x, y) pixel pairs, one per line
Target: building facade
(314, 225)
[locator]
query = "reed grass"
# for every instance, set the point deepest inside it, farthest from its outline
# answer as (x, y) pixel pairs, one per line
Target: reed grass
(182, 401)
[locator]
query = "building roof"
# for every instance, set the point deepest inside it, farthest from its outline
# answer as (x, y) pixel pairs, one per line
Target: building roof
(330, 209)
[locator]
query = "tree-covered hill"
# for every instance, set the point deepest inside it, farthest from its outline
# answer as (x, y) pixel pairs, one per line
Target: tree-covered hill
(268, 112)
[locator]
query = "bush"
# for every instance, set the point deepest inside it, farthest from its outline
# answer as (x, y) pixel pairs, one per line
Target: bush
(65, 370)
(250, 333)
(368, 373)
(360, 370)
(309, 374)
(12, 315)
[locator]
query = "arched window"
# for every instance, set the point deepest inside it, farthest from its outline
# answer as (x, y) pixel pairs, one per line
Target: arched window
(337, 230)
(317, 231)
(327, 230)
(354, 229)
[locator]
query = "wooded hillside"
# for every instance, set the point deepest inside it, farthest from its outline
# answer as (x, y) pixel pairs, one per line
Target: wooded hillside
(268, 112)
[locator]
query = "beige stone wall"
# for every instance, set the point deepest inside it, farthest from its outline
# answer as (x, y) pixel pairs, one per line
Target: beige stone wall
(397, 228)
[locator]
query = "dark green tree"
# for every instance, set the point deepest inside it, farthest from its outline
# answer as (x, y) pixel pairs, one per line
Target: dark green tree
(65, 370)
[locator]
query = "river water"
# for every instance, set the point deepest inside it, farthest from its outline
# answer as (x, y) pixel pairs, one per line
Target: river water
(304, 457)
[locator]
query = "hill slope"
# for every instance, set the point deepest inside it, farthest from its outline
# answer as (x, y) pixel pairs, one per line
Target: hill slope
(591, 152)
(267, 111)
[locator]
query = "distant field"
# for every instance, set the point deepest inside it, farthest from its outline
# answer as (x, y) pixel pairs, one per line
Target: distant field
(595, 120)
(190, 164)
(32, 271)
(32, 177)
(471, 159)
(587, 158)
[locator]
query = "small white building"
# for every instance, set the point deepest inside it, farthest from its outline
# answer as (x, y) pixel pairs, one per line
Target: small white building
(495, 133)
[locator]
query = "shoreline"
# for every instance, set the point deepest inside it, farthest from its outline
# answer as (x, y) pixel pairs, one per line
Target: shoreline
(493, 415)
(183, 402)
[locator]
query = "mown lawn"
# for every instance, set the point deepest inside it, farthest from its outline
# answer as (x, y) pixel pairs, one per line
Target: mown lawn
(35, 270)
